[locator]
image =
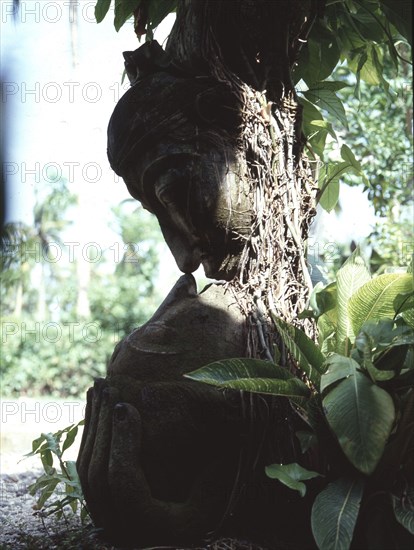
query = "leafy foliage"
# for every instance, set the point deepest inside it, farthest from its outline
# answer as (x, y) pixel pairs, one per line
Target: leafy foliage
(363, 380)
(48, 447)
(46, 341)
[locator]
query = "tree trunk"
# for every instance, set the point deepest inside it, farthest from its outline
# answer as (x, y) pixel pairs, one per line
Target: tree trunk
(252, 46)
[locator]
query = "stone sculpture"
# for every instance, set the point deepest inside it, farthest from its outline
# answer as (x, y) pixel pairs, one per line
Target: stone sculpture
(164, 459)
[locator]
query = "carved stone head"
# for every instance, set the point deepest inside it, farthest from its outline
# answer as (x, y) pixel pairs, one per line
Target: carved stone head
(173, 139)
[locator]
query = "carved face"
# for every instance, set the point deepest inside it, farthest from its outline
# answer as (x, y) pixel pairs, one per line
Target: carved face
(175, 152)
(187, 331)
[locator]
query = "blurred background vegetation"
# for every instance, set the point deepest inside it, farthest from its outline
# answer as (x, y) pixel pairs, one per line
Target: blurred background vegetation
(64, 307)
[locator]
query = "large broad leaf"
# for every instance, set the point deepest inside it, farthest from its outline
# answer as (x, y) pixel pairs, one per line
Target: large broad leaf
(253, 375)
(291, 475)
(295, 389)
(337, 368)
(361, 415)
(229, 370)
(375, 299)
(403, 506)
(352, 275)
(302, 348)
(335, 512)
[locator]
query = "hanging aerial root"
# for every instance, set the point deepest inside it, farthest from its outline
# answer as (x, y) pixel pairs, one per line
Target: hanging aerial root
(273, 274)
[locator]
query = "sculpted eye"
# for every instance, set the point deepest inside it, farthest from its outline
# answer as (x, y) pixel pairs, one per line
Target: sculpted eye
(166, 188)
(156, 337)
(170, 188)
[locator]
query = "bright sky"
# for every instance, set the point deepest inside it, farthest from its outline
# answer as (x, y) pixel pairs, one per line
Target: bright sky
(60, 106)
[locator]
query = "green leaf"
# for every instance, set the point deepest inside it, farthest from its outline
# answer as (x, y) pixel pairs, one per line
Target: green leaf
(46, 493)
(53, 443)
(337, 368)
(229, 370)
(349, 157)
(315, 135)
(352, 275)
(375, 299)
(47, 460)
(403, 506)
(293, 388)
(364, 345)
(320, 56)
(404, 302)
(101, 9)
(70, 438)
(384, 345)
(84, 515)
(36, 444)
(326, 310)
(253, 375)
(327, 334)
(324, 301)
(307, 354)
(291, 475)
(159, 10)
(361, 415)
(42, 482)
(123, 11)
(400, 14)
(72, 472)
(328, 183)
(325, 98)
(333, 85)
(335, 512)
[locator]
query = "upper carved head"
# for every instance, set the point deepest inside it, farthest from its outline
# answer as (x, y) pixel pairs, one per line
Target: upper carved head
(173, 139)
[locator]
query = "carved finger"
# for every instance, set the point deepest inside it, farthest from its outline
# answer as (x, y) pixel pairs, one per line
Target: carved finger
(140, 518)
(93, 405)
(99, 502)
